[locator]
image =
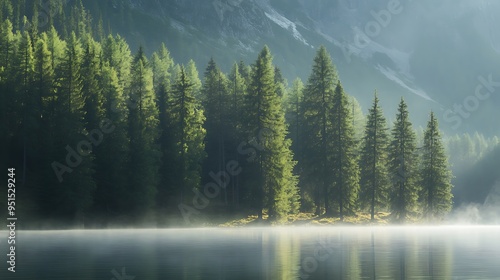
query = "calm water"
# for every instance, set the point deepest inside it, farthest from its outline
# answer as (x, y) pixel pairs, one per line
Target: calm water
(277, 253)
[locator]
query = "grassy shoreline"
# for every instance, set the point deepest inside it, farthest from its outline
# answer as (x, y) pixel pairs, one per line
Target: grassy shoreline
(310, 219)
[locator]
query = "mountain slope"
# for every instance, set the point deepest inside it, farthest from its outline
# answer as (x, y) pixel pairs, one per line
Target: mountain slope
(433, 53)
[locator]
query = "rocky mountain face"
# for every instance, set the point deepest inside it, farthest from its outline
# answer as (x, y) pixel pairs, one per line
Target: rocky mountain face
(435, 54)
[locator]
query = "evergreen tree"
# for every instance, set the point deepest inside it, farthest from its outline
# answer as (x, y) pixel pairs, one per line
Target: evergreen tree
(194, 77)
(161, 64)
(358, 119)
(90, 84)
(143, 133)
(117, 52)
(295, 119)
(7, 48)
(373, 162)
(27, 104)
(435, 174)
(44, 91)
(317, 106)
(7, 95)
(237, 89)
(344, 169)
(112, 197)
(276, 183)
(56, 47)
(244, 71)
(281, 83)
(76, 187)
(217, 102)
(403, 166)
(187, 118)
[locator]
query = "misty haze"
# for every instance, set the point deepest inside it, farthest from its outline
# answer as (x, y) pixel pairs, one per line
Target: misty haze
(259, 139)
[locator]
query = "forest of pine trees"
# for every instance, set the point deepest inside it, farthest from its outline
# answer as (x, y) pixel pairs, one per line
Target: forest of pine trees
(101, 135)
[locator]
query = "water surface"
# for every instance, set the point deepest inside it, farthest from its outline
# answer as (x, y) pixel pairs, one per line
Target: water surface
(447, 252)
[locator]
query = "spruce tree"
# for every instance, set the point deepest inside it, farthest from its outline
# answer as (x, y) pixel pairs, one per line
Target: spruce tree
(161, 64)
(113, 197)
(187, 120)
(435, 175)
(237, 88)
(317, 105)
(77, 186)
(344, 168)
(56, 47)
(143, 134)
(28, 104)
(403, 167)
(117, 52)
(276, 184)
(373, 162)
(216, 102)
(295, 119)
(45, 91)
(90, 84)
(194, 77)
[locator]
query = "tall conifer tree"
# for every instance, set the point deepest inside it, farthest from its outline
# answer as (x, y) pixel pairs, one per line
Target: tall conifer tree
(373, 162)
(344, 168)
(403, 166)
(435, 175)
(317, 106)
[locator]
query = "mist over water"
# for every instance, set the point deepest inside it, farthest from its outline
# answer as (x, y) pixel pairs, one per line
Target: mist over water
(441, 252)
(475, 213)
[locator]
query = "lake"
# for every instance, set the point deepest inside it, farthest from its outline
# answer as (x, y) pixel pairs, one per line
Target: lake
(444, 252)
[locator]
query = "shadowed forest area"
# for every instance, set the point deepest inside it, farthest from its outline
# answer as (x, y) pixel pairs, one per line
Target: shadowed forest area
(104, 136)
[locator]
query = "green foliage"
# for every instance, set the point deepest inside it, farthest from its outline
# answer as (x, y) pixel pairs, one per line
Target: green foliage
(93, 131)
(217, 101)
(78, 186)
(317, 131)
(143, 133)
(373, 162)
(276, 185)
(112, 198)
(435, 175)
(403, 167)
(344, 168)
(187, 119)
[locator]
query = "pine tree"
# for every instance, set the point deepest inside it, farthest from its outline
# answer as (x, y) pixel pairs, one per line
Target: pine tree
(435, 174)
(403, 166)
(237, 89)
(143, 133)
(187, 119)
(7, 48)
(112, 197)
(161, 64)
(76, 187)
(194, 77)
(90, 84)
(44, 91)
(317, 104)
(244, 71)
(216, 101)
(295, 119)
(373, 162)
(28, 104)
(117, 52)
(358, 119)
(344, 168)
(276, 184)
(281, 83)
(7, 95)
(56, 47)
